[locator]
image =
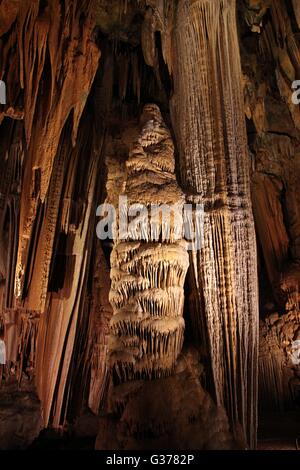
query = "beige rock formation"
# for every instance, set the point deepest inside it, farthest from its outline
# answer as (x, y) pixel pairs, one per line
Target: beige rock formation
(148, 266)
(207, 112)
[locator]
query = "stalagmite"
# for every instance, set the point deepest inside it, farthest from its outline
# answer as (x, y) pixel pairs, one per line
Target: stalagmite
(155, 395)
(207, 109)
(149, 264)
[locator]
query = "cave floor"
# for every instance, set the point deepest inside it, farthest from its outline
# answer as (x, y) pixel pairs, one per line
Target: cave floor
(20, 414)
(279, 431)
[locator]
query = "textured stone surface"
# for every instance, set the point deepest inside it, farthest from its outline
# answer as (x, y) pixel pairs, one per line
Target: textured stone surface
(279, 372)
(149, 265)
(274, 141)
(169, 413)
(20, 416)
(208, 118)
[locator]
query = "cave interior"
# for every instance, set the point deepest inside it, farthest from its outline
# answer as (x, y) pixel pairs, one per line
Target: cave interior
(147, 341)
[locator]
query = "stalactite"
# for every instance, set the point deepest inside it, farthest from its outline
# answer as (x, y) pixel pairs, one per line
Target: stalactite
(296, 7)
(209, 124)
(274, 175)
(278, 377)
(148, 38)
(100, 373)
(59, 331)
(41, 45)
(277, 42)
(55, 66)
(275, 199)
(29, 322)
(148, 270)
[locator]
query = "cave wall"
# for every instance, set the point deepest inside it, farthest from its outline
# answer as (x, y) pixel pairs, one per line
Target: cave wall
(49, 61)
(214, 166)
(269, 33)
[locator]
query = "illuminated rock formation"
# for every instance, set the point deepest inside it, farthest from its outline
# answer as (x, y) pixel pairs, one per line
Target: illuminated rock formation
(274, 143)
(279, 359)
(207, 109)
(149, 265)
(48, 69)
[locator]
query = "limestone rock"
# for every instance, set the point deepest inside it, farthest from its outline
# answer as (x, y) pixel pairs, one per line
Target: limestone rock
(149, 264)
(167, 413)
(215, 171)
(20, 417)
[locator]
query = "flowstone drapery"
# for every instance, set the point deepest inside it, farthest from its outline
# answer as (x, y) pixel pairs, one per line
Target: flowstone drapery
(208, 116)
